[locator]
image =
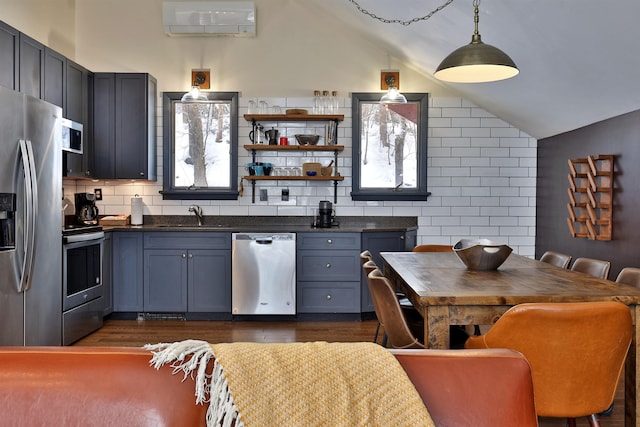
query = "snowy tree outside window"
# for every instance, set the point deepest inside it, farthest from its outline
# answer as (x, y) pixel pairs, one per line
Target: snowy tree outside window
(200, 147)
(389, 148)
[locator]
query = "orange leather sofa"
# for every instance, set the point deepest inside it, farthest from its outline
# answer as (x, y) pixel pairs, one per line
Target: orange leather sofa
(91, 386)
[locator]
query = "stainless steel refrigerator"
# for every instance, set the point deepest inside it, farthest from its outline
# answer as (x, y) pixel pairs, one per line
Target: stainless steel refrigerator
(30, 221)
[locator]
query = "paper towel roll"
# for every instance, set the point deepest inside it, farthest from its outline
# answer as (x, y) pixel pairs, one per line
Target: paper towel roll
(136, 210)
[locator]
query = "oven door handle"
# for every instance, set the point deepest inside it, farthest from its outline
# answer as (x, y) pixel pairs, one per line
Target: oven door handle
(84, 237)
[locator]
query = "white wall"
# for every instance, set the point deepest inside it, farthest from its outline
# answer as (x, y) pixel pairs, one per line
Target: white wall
(51, 22)
(481, 169)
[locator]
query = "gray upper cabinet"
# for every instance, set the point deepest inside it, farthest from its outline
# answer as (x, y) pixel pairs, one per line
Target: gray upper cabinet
(31, 66)
(78, 96)
(9, 56)
(124, 111)
(55, 76)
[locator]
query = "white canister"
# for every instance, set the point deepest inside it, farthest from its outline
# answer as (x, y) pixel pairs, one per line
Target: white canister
(136, 210)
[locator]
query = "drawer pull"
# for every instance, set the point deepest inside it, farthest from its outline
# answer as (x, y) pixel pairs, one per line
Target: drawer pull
(328, 297)
(329, 241)
(328, 265)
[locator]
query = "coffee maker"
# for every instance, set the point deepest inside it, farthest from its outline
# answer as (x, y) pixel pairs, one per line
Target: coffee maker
(86, 209)
(326, 215)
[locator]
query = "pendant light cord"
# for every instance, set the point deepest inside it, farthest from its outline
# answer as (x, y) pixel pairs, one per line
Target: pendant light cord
(399, 21)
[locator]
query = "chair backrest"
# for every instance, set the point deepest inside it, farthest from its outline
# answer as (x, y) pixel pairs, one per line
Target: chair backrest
(629, 276)
(433, 248)
(556, 258)
(479, 388)
(576, 351)
(389, 312)
(365, 256)
(593, 267)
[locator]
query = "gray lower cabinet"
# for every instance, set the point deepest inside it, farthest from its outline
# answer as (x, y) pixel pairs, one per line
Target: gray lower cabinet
(127, 271)
(187, 272)
(328, 271)
(107, 273)
(383, 241)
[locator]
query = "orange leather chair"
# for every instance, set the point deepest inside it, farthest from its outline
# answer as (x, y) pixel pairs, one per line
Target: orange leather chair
(442, 377)
(556, 258)
(576, 351)
(433, 248)
(593, 267)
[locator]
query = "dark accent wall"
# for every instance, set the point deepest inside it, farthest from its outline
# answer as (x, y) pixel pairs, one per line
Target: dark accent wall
(619, 136)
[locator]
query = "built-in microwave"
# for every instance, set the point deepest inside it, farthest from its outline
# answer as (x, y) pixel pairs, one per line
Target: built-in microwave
(71, 136)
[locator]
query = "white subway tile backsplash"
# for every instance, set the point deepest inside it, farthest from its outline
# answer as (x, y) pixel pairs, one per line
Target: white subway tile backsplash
(481, 174)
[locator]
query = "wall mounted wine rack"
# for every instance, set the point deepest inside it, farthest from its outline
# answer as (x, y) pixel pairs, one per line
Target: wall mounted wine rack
(591, 197)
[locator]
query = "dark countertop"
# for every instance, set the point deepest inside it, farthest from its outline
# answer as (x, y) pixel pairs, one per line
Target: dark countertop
(267, 224)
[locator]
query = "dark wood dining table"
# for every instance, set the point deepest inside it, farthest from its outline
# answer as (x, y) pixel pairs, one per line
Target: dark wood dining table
(446, 293)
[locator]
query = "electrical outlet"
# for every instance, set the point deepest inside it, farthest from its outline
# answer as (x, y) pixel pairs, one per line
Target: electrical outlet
(98, 193)
(285, 195)
(263, 195)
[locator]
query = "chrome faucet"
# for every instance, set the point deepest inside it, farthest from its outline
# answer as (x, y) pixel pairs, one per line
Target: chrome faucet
(197, 210)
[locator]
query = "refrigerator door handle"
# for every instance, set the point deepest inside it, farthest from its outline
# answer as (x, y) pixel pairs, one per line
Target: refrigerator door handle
(31, 208)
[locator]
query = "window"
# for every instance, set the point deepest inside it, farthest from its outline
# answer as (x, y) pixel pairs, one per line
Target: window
(200, 147)
(389, 148)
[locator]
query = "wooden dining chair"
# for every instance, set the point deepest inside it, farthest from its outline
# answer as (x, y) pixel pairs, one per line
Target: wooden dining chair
(390, 313)
(556, 258)
(433, 248)
(594, 267)
(575, 374)
(629, 276)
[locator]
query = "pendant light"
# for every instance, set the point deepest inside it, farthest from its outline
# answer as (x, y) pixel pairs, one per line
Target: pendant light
(476, 62)
(194, 95)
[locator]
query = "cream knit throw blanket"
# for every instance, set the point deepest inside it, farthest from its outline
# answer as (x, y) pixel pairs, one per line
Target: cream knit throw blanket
(297, 384)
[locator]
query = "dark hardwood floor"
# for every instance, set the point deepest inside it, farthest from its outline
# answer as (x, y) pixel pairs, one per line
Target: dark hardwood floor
(132, 333)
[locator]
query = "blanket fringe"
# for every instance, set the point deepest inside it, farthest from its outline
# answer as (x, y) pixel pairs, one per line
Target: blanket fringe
(194, 355)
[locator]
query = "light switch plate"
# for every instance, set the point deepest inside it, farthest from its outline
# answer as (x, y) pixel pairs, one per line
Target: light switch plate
(263, 195)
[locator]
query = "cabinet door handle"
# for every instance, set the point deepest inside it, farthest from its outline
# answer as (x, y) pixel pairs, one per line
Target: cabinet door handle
(328, 265)
(401, 237)
(184, 255)
(329, 241)
(190, 255)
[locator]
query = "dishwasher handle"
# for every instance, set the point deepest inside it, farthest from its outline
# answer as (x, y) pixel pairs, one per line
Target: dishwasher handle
(263, 241)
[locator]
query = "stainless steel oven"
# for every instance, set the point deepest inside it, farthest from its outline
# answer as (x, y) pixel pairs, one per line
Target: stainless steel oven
(82, 298)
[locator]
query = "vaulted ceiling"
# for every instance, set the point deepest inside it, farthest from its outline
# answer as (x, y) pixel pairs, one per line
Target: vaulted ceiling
(579, 60)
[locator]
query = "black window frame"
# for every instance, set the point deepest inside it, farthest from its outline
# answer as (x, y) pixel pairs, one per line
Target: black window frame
(420, 193)
(169, 191)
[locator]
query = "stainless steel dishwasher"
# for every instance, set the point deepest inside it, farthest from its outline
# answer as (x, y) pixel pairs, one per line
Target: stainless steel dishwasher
(263, 274)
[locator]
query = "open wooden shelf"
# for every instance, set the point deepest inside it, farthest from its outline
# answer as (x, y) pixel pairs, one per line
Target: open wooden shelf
(293, 117)
(267, 147)
(293, 178)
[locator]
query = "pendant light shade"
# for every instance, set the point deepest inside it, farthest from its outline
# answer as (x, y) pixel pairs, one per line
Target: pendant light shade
(476, 62)
(194, 95)
(393, 96)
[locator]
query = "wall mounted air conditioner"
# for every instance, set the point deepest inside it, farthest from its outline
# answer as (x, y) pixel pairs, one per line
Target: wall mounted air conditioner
(209, 18)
